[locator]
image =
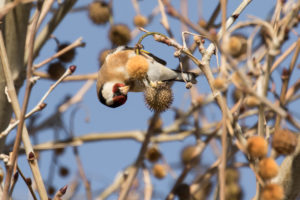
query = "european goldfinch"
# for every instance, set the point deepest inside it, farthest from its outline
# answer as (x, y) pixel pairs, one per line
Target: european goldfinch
(126, 71)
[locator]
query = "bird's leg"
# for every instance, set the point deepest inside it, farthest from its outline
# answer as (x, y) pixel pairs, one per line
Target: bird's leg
(152, 84)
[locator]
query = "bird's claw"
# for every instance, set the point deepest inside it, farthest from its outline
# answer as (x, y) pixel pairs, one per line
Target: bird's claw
(154, 84)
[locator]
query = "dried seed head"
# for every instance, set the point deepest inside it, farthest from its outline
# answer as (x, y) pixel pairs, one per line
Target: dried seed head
(159, 171)
(238, 81)
(102, 56)
(272, 191)
(137, 67)
(140, 21)
(51, 190)
(99, 12)
(63, 171)
(68, 56)
(284, 141)
(267, 168)
(237, 95)
(190, 155)
(220, 83)
(153, 154)
(182, 191)
(202, 23)
(232, 175)
(251, 101)
(257, 147)
(233, 191)
(56, 70)
(237, 45)
(119, 34)
(159, 98)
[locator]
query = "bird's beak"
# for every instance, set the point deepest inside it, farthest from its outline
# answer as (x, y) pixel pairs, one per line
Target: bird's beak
(124, 90)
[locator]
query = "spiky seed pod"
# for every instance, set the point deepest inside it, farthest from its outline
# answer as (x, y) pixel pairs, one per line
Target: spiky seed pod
(99, 12)
(237, 45)
(257, 147)
(232, 175)
(182, 191)
(284, 141)
(220, 83)
(267, 168)
(251, 101)
(56, 70)
(159, 171)
(233, 192)
(190, 155)
(68, 56)
(119, 34)
(140, 21)
(102, 56)
(272, 191)
(159, 98)
(137, 67)
(153, 154)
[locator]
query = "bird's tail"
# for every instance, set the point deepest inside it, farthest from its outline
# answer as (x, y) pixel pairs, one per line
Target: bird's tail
(186, 76)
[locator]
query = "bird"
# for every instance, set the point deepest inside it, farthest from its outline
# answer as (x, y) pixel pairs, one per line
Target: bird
(116, 79)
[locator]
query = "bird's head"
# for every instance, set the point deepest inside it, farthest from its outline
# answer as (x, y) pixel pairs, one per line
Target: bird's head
(113, 94)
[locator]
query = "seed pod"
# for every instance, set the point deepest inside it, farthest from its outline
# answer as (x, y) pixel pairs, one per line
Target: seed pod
(68, 56)
(137, 67)
(272, 191)
(63, 171)
(220, 84)
(119, 34)
(232, 175)
(284, 141)
(159, 171)
(267, 168)
(153, 154)
(182, 191)
(236, 45)
(159, 98)
(190, 155)
(99, 12)
(56, 70)
(251, 101)
(140, 21)
(233, 192)
(237, 95)
(257, 147)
